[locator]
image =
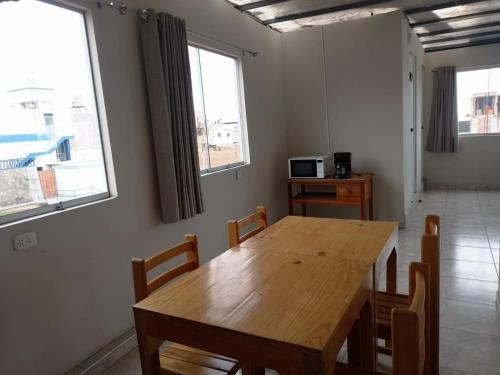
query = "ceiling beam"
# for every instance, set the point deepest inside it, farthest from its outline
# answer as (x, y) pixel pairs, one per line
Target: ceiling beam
(459, 29)
(259, 4)
(456, 18)
(319, 12)
(449, 4)
(453, 38)
(463, 45)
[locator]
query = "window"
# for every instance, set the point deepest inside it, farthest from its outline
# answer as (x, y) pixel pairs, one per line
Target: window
(51, 155)
(49, 119)
(29, 105)
(219, 109)
(478, 96)
(63, 151)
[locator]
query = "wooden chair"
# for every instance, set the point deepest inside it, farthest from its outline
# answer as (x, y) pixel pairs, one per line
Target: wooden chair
(234, 226)
(179, 359)
(410, 330)
(430, 255)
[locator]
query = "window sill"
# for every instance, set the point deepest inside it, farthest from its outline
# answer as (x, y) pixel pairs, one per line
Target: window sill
(56, 212)
(479, 135)
(228, 168)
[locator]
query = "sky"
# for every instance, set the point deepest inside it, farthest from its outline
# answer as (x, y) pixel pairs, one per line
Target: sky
(218, 80)
(42, 45)
(46, 46)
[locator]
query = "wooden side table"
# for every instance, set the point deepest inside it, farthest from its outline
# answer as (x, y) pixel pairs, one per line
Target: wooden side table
(355, 191)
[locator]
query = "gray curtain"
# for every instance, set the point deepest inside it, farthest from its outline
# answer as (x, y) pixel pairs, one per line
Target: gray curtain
(168, 77)
(443, 130)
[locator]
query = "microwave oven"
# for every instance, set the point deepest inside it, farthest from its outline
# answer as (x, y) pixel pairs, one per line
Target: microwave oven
(310, 166)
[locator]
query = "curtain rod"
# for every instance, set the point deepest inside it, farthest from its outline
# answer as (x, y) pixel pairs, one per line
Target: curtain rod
(122, 8)
(145, 14)
(253, 53)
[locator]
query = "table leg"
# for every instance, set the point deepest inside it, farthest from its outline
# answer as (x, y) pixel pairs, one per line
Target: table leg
(249, 369)
(360, 342)
(303, 190)
(290, 199)
(354, 346)
(367, 337)
(363, 202)
(392, 272)
(371, 198)
(148, 350)
(363, 215)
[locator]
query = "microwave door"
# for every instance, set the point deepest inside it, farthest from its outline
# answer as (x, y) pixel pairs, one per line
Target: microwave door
(304, 169)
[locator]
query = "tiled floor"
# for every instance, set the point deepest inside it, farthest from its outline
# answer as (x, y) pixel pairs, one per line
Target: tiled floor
(470, 317)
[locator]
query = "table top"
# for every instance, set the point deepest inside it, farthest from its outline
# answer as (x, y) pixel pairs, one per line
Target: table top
(351, 239)
(302, 282)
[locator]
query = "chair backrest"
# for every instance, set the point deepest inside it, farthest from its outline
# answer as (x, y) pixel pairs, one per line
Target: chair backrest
(410, 327)
(234, 226)
(432, 224)
(140, 267)
(431, 255)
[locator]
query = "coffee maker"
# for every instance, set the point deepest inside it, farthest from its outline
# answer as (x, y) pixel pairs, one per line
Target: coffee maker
(342, 163)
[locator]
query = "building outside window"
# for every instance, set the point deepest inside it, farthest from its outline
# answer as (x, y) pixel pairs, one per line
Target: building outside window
(478, 96)
(219, 109)
(49, 119)
(51, 154)
(63, 152)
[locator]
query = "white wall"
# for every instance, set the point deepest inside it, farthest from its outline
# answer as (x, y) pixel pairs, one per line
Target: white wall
(362, 96)
(476, 163)
(72, 294)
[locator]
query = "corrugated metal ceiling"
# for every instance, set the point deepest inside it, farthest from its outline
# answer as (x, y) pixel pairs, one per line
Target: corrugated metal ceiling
(440, 25)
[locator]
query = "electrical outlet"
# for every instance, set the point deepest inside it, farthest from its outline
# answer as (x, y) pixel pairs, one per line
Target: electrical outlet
(25, 241)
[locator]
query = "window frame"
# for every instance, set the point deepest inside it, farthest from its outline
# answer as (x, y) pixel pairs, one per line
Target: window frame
(470, 69)
(200, 42)
(96, 82)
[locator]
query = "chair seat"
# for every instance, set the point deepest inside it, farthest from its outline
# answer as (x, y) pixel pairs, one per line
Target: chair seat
(385, 303)
(184, 360)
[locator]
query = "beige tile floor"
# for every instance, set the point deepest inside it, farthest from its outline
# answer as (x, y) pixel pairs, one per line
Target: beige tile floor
(470, 317)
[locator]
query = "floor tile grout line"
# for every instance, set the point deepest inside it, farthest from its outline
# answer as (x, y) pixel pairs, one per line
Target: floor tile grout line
(470, 278)
(475, 247)
(467, 301)
(475, 279)
(470, 261)
(472, 302)
(471, 331)
(489, 242)
(459, 371)
(466, 278)
(493, 257)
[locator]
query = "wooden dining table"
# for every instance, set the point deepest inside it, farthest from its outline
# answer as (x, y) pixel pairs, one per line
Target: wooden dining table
(286, 299)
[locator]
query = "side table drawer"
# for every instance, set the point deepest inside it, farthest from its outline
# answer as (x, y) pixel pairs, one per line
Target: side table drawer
(349, 191)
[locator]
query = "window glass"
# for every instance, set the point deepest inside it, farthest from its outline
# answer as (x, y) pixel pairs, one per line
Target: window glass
(218, 109)
(50, 142)
(478, 93)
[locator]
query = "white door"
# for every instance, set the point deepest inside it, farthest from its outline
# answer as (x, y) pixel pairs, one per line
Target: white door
(413, 125)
